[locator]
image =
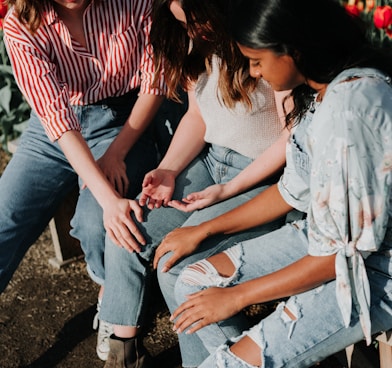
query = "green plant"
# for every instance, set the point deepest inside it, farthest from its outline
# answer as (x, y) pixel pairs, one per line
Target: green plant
(14, 109)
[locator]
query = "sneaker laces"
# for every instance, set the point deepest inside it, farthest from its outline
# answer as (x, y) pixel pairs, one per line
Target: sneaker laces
(96, 317)
(105, 329)
(104, 332)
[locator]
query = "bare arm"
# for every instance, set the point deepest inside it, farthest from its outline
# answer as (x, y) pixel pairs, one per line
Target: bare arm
(141, 116)
(268, 163)
(265, 207)
(188, 139)
(117, 220)
(305, 274)
(271, 160)
(112, 162)
(187, 142)
(217, 304)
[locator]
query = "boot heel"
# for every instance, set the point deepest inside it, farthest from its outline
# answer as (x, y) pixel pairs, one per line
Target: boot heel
(129, 353)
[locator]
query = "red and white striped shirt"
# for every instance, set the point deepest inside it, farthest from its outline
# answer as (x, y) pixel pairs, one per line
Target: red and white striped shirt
(54, 71)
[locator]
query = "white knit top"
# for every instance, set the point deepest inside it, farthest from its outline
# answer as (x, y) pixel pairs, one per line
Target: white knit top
(248, 132)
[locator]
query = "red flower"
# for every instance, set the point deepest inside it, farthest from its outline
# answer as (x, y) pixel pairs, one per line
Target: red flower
(3, 9)
(383, 16)
(3, 12)
(389, 33)
(353, 10)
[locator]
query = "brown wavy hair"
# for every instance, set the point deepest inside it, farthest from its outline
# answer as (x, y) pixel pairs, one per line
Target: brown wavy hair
(183, 53)
(29, 12)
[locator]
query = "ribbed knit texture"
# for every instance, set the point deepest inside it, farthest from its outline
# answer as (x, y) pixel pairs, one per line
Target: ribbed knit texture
(248, 132)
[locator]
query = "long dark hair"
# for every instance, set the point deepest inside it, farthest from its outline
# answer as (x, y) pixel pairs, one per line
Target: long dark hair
(186, 52)
(321, 37)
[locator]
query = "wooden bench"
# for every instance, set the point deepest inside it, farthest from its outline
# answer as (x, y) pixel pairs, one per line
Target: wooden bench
(66, 248)
(384, 350)
(384, 339)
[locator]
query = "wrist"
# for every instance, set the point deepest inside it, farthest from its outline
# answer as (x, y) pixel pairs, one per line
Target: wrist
(242, 301)
(230, 189)
(116, 151)
(109, 199)
(205, 230)
(168, 170)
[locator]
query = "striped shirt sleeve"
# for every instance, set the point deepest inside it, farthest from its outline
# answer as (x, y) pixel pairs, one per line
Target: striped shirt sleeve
(55, 72)
(35, 76)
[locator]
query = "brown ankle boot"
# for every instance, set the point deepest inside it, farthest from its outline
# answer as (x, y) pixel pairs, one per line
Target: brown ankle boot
(128, 354)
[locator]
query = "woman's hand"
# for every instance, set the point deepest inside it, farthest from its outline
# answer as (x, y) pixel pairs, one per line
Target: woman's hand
(205, 307)
(119, 225)
(198, 200)
(114, 168)
(158, 187)
(181, 241)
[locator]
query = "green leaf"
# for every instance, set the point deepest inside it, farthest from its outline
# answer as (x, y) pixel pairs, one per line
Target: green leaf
(5, 99)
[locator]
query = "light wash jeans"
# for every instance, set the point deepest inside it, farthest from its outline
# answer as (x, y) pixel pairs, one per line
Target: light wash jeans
(39, 176)
(127, 274)
(318, 329)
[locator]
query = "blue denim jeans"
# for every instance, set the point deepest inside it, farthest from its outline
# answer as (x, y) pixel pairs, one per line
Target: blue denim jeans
(39, 176)
(317, 330)
(127, 274)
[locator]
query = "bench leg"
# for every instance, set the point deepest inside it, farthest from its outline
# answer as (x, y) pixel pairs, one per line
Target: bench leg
(66, 248)
(385, 349)
(349, 354)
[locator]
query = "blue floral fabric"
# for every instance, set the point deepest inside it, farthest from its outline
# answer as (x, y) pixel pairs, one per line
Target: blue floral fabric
(339, 171)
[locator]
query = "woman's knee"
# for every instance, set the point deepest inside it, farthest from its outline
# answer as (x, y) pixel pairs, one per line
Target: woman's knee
(167, 280)
(220, 270)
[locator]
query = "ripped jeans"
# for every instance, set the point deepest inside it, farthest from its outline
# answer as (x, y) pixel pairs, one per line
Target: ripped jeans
(303, 330)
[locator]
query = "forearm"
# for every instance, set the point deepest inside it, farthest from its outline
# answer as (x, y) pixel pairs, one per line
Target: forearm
(270, 162)
(188, 140)
(141, 116)
(80, 158)
(265, 207)
(305, 274)
(186, 144)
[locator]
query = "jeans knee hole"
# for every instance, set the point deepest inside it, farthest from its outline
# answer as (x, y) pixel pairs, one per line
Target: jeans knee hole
(290, 314)
(200, 273)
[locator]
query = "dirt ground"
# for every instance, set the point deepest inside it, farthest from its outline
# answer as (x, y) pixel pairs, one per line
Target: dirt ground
(46, 317)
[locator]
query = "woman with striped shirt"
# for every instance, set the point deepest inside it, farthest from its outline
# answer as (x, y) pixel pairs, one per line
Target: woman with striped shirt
(86, 69)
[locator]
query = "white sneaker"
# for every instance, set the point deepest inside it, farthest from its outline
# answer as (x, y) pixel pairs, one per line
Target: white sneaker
(105, 329)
